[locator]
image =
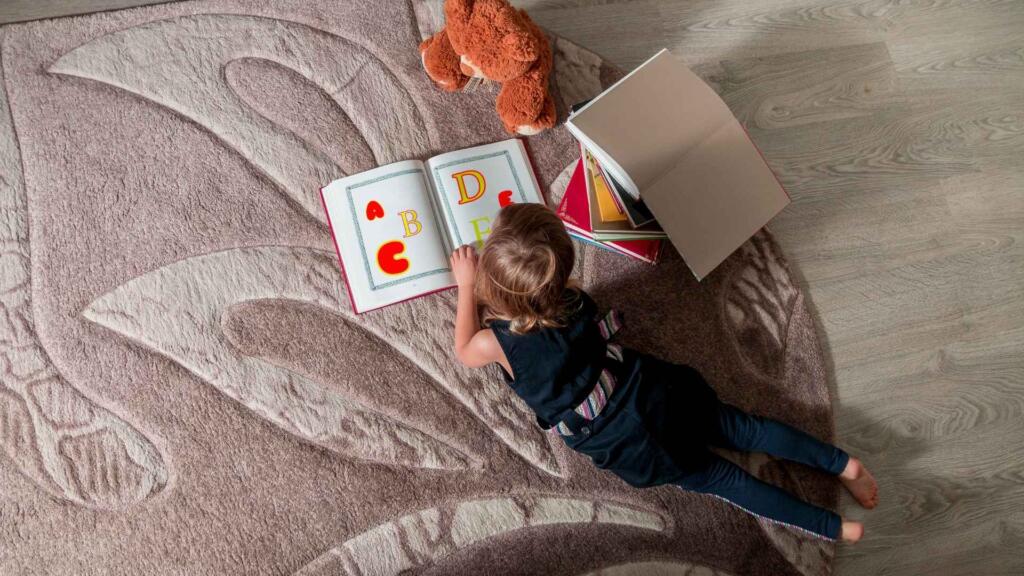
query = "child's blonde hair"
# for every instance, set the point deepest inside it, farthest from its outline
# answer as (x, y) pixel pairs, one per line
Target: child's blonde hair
(523, 270)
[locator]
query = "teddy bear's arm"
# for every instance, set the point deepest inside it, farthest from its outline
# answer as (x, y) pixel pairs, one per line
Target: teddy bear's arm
(441, 62)
(525, 106)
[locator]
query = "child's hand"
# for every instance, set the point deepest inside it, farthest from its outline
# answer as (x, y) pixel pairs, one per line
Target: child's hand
(463, 262)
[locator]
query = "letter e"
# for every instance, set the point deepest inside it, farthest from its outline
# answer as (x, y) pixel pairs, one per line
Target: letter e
(479, 232)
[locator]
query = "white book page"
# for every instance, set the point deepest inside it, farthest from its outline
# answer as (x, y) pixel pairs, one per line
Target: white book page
(472, 186)
(390, 241)
(643, 125)
(607, 162)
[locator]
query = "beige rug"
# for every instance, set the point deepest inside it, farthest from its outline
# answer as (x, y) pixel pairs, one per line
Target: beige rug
(183, 389)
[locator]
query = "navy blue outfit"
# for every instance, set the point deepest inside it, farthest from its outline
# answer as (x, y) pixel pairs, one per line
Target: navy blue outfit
(659, 420)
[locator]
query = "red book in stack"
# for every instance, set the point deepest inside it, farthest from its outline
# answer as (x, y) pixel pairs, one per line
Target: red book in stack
(574, 211)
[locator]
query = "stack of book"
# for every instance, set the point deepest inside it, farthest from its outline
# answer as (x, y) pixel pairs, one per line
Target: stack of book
(597, 211)
(662, 156)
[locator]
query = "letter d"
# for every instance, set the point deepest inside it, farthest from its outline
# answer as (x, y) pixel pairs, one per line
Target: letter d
(459, 177)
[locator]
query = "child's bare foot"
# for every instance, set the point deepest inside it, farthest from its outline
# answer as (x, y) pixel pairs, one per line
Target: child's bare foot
(860, 483)
(852, 531)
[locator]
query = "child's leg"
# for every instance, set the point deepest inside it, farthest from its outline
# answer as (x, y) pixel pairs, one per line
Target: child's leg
(730, 482)
(741, 431)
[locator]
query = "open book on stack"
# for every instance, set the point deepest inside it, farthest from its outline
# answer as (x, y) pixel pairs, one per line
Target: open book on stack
(671, 160)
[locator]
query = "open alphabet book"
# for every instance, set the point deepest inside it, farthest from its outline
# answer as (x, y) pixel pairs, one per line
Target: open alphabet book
(395, 226)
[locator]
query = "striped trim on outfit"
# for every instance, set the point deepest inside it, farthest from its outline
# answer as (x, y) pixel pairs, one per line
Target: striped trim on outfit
(598, 397)
(561, 428)
(595, 402)
(610, 324)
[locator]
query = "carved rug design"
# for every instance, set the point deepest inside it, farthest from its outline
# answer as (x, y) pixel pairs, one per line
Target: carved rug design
(184, 389)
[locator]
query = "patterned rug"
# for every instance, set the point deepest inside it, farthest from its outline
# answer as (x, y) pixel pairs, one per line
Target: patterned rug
(184, 389)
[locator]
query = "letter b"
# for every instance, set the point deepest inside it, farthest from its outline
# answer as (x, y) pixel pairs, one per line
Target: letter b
(411, 223)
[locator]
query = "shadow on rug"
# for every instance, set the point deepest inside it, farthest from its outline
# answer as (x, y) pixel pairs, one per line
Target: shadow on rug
(184, 388)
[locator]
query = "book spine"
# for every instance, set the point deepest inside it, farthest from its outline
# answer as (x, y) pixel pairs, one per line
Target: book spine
(616, 249)
(337, 250)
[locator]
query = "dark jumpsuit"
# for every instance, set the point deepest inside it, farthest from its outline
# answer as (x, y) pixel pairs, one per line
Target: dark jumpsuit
(659, 420)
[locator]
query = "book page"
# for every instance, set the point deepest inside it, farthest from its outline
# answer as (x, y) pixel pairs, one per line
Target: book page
(607, 204)
(635, 209)
(390, 241)
(472, 186)
(595, 187)
(619, 228)
(643, 124)
(715, 198)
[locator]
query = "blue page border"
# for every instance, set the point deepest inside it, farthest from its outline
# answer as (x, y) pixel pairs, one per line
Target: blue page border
(440, 189)
(359, 232)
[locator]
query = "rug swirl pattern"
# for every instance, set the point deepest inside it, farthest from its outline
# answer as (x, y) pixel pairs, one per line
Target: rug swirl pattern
(184, 387)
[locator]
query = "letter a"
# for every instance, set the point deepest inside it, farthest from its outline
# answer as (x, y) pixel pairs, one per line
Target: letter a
(411, 223)
(480, 233)
(464, 198)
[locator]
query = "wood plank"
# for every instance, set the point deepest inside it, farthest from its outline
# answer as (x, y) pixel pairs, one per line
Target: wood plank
(798, 88)
(602, 28)
(709, 31)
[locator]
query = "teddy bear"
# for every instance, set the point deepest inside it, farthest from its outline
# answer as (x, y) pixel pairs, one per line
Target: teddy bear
(490, 39)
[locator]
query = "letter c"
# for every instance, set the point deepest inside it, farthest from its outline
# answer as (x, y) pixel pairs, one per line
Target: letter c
(390, 259)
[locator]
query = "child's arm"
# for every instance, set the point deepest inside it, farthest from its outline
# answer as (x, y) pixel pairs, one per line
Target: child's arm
(474, 347)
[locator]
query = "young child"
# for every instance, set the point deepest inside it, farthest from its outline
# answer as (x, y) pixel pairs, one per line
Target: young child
(648, 421)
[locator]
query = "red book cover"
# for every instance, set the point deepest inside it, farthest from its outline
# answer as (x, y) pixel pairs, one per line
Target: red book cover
(574, 210)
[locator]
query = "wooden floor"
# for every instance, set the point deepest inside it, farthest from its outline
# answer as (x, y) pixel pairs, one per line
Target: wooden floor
(898, 128)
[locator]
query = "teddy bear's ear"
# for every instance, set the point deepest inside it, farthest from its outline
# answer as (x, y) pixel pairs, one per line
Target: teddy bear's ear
(458, 9)
(520, 46)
